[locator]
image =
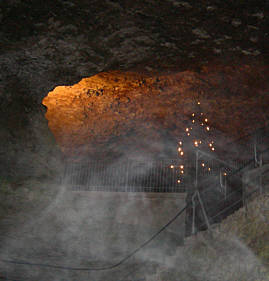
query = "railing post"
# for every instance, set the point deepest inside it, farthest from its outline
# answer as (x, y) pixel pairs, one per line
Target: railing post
(245, 202)
(203, 210)
(193, 213)
(195, 192)
(196, 169)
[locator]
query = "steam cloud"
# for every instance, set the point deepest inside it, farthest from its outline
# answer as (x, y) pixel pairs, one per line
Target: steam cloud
(81, 229)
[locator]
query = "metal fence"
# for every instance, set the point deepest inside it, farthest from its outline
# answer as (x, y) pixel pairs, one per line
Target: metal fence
(164, 175)
(125, 176)
(218, 188)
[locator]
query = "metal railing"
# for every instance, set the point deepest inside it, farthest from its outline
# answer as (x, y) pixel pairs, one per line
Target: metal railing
(222, 182)
(124, 176)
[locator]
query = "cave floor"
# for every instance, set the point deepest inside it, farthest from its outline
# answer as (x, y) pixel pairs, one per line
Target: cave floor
(92, 229)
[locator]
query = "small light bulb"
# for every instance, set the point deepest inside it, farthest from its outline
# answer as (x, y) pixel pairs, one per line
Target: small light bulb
(187, 129)
(179, 149)
(225, 174)
(206, 120)
(210, 144)
(181, 153)
(212, 148)
(196, 143)
(172, 166)
(193, 114)
(198, 102)
(188, 134)
(200, 141)
(180, 143)
(181, 166)
(178, 181)
(203, 164)
(209, 169)
(207, 128)
(193, 121)
(182, 172)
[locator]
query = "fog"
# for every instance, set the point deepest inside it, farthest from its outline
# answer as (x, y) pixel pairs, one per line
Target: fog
(80, 231)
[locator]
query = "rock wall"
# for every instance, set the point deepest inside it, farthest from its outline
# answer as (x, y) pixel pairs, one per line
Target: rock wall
(115, 109)
(52, 43)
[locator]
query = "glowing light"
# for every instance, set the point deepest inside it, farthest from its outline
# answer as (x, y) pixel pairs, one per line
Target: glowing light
(179, 149)
(193, 121)
(207, 128)
(172, 166)
(181, 153)
(182, 172)
(210, 144)
(187, 129)
(198, 102)
(202, 113)
(178, 181)
(193, 114)
(206, 120)
(202, 124)
(209, 169)
(200, 141)
(196, 143)
(181, 166)
(225, 174)
(180, 142)
(203, 164)
(188, 134)
(212, 148)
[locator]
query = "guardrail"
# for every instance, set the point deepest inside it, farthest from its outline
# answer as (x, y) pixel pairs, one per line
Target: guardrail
(218, 189)
(125, 176)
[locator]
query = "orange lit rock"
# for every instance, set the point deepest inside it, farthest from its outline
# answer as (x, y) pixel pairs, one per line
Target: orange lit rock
(131, 106)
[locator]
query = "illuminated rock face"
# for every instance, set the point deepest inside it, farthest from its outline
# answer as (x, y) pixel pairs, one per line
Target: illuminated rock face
(127, 109)
(60, 42)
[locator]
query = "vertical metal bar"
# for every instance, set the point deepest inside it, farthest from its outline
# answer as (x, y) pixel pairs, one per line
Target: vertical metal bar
(127, 176)
(225, 186)
(172, 180)
(193, 214)
(162, 182)
(203, 210)
(245, 202)
(90, 175)
(196, 168)
(150, 176)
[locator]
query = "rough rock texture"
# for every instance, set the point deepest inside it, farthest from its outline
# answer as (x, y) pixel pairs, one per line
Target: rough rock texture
(49, 43)
(123, 107)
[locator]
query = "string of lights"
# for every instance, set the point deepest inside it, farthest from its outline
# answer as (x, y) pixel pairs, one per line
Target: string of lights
(199, 123)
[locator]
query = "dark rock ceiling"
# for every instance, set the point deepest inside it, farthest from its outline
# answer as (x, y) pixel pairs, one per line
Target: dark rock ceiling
(86, 37)
(49, 43)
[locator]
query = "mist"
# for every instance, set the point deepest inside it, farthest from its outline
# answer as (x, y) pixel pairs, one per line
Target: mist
(78, 231)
